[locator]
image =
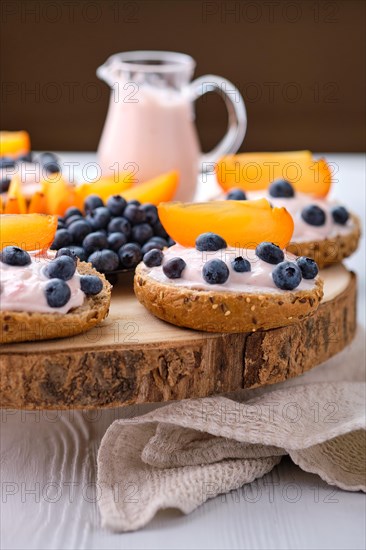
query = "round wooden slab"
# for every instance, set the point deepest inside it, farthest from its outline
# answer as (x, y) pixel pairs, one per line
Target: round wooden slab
(135, 358)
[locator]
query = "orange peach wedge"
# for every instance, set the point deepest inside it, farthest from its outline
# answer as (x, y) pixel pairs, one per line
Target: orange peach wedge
(255, 171)
(104, 187)
(159, 189)
(242, 224)
(29, 231)
(14, 144)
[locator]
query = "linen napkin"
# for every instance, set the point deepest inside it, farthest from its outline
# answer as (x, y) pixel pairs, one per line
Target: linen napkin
(179, 455)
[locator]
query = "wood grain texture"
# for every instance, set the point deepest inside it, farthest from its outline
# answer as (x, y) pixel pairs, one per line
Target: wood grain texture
(162, 362)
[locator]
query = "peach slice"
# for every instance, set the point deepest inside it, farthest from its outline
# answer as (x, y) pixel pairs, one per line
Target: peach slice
(15, 192)
(14, 144)
(255, 171)
(57, 193)
(104, 187)
(12, 206)
(242, 224)
(159, 189)
(29, 231)
(38, 203)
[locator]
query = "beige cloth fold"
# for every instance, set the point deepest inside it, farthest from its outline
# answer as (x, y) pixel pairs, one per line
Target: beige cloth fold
(182, 454)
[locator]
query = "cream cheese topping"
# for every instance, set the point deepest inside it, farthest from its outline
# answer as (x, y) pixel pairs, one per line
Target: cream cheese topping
(22, 288)
(304, 232)
(258, 280)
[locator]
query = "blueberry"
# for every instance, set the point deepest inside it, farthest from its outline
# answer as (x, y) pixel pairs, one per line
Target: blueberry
(52, 167)
(92, 202)
(95, 241)
(209, 242)
(7, 162)
(13, 255)
(50, 162)
(116, 205)
(57, 293)
(120, 225)
(313, 215)
(141, 233)
(281, 189)
(116, 240)
(90, 284)
(79, 230)
(340, 215)
(134, 214)
(173, 268)
(215, 272)
(26, 158)
(61, 224)
(72, 219)
(47, 156)
(159, 230)
(4, 185)
(171, 242)
(135, 202)
(62, 267)
(236, 194)
(287, 275)
(241, 265)
(151, 212)
(104, 260)
(159, 241)
(309, 268)
(99, 218)
(62, 238)
(130, 255)
(270, 253)
(153, 258)
(150, 245)
(66, 252)
(72, 211)
(79, 252)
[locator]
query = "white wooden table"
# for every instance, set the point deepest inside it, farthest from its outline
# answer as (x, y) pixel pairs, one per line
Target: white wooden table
(48, 471)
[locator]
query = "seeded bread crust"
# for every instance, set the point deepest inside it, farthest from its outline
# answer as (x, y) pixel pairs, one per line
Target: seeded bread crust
(213, 311)
(19, 326)
(329, 251)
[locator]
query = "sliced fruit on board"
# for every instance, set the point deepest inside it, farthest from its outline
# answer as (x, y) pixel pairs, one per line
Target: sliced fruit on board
(255, 171)
(14, 144)
(15, 192)
(104, 188)
(29, 231)
(159, 189)
(242, 224)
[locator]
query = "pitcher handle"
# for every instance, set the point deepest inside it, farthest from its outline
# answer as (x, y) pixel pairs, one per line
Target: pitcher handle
(237, 123)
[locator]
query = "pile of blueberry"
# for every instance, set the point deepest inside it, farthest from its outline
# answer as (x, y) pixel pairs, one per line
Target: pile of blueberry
(312, 214)
(114, 236)
(58, 271)
(286, 275)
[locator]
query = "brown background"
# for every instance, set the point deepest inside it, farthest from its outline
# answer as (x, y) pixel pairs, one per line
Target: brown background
(300, 66)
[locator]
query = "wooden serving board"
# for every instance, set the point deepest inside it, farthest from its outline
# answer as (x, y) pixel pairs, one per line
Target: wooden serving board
(135, 358)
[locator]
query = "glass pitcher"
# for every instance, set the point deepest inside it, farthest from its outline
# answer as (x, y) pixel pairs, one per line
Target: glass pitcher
(150, 126)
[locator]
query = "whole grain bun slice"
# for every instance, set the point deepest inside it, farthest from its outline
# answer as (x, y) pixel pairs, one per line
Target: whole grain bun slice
(329, 251)
(213, 311)
(19, 326)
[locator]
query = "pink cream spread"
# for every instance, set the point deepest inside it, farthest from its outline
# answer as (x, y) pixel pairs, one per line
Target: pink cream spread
(304, 232)
(258, 280)
(22, 288)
